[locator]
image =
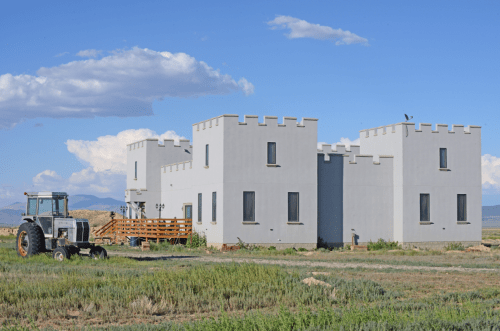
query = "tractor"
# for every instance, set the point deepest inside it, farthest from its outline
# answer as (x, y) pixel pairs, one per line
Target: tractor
(48, 228)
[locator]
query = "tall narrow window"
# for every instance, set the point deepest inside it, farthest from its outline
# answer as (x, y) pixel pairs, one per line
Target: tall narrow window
(425, 201)
(271, 153)
(293, 206)
(135, 169)
(248, 206)
(206, 155)
(214, 207)
(129, 212)
(442, 158)
(461, 207)
(199, 207)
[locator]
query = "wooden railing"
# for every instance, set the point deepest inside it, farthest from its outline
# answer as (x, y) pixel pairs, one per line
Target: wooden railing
(150, 228)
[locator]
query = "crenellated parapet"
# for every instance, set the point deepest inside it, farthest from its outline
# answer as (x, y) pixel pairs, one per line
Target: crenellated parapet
(253, 120)
(409, 128)
(168, 144)
(186, 165)
(326, 149)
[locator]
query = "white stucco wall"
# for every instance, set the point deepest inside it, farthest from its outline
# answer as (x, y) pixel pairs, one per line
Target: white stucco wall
(354, 192)
(246, 169)
(416, 171)
(150, 156)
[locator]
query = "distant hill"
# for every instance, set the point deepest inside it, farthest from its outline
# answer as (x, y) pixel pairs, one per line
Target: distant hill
(12, 213)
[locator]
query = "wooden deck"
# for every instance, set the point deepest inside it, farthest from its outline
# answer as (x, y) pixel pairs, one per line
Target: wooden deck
(148, 229)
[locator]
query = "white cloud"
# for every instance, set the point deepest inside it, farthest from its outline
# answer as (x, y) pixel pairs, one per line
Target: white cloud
(490, 167)
(246, 86)
(122, 84)
(86, 181)
(302, 29)
(61, 54)
(88, 53)
(109, 153)
(343, 141)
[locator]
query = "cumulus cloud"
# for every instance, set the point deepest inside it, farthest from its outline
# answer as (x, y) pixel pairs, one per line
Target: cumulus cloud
(490, 167)
(303, 29)
(343, 141)
(86, 181)
(88, 53)
(109, 153)
(246, 86)
(122, 84)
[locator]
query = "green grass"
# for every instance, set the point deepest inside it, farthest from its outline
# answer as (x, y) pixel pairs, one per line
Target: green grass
(382, 244)
(230, 296)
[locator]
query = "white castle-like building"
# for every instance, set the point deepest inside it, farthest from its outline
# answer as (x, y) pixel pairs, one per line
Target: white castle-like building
(268, 184)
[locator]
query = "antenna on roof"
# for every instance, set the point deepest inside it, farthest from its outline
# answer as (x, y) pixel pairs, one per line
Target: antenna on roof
(408, 118)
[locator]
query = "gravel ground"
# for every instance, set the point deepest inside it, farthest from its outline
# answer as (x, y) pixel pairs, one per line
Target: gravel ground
(337, 265)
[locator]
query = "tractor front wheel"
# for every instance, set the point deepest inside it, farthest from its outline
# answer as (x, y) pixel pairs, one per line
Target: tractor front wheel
(98, 253)
(60, 254)
(29, 240)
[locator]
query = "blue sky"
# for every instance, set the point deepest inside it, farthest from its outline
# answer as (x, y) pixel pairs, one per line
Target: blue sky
(78, 79)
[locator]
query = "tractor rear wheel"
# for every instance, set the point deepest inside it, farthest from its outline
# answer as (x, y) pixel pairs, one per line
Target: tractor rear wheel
(98, 253)
(29, 240)
(61, 253)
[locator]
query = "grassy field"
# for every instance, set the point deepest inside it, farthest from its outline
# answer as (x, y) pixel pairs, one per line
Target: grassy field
(174, 294)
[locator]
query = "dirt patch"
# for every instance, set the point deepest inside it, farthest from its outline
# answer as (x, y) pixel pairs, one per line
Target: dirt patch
(313, 281)
(96, 218)
(479, 248)
(8, 231)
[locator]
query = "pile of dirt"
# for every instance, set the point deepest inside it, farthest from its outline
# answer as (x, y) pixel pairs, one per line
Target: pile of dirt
(313, 281)
(8, 231)
(479, 248)
(96, 217)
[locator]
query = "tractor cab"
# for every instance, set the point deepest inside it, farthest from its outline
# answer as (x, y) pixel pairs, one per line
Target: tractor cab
(46, 204)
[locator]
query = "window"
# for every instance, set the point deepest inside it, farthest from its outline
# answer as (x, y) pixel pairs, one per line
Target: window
(135, 169)
(206, 155)
(293, 206)
(425, 201)
(271, 153)
(461, 207)
(248, 206)
(442, 158)
(199, 207)
(32, 206)
(129, 212)
(214, 206)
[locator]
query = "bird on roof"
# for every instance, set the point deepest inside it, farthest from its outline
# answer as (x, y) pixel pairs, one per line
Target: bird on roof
(408, 118)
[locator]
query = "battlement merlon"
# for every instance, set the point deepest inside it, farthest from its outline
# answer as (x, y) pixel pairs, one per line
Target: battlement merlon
(423, 128)
(253, 120)
(185, 143)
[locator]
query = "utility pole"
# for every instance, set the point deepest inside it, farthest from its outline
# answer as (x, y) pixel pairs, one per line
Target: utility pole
(159, 207)
(123, 209)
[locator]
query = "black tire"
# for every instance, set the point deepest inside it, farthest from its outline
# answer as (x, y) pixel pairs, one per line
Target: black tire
(60, 254)
(30, 240)
(73, 250)
(98, 253)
